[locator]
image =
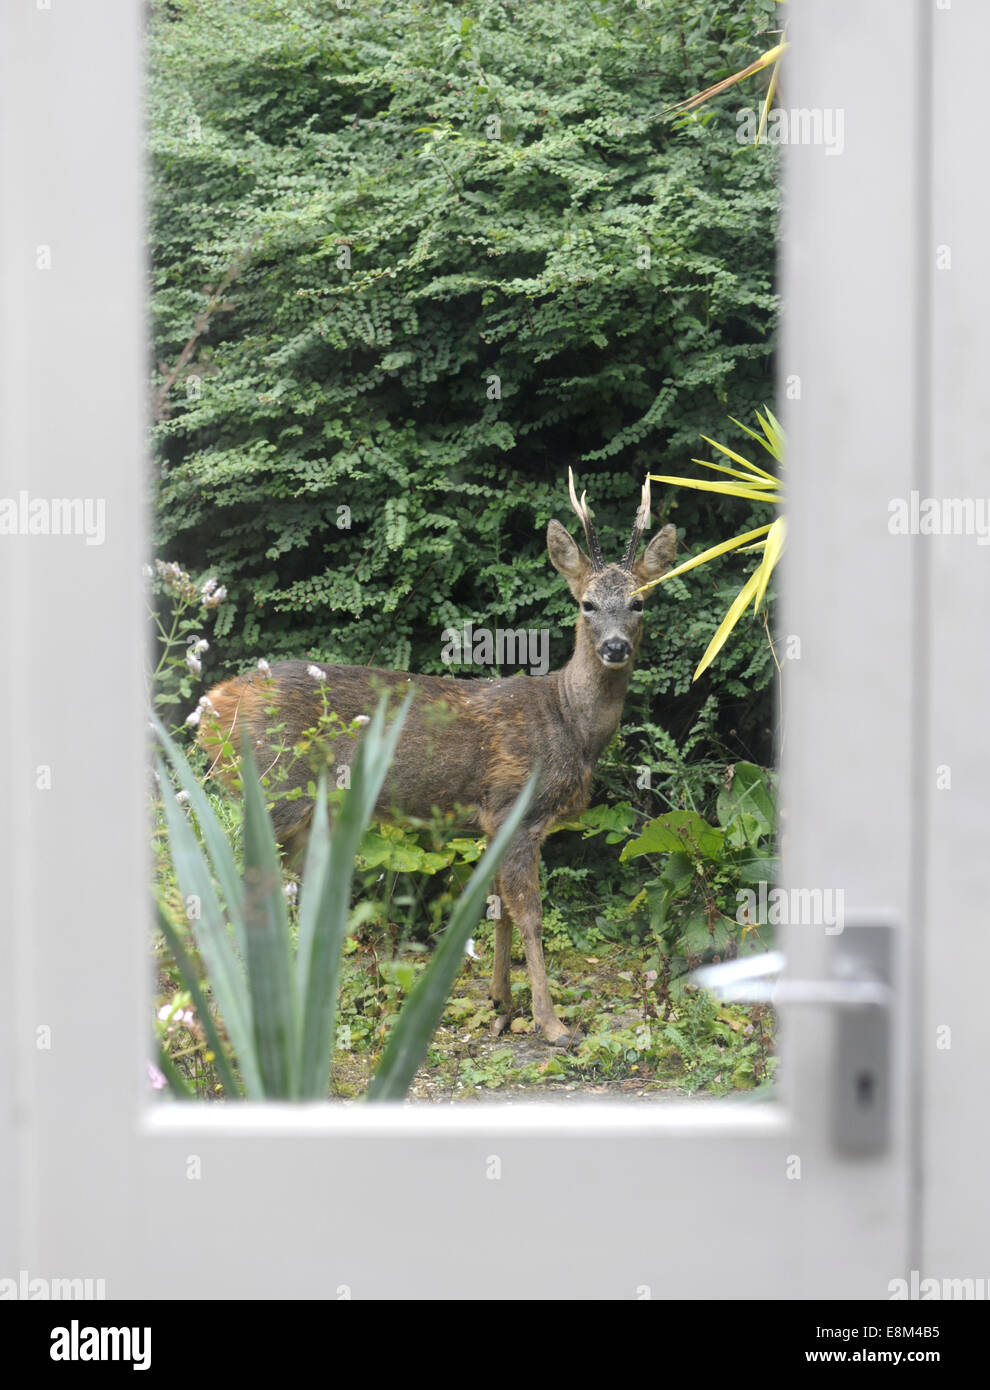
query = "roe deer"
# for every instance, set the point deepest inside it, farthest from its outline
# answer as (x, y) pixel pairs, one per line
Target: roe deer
(471, 744)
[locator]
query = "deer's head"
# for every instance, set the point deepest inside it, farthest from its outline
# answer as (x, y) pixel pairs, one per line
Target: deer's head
(610, 614)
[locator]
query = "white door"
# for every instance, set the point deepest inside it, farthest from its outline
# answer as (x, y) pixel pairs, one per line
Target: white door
(883, 370)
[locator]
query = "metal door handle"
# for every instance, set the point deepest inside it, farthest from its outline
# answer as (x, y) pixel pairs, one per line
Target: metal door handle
(752, 980)
(861, 986)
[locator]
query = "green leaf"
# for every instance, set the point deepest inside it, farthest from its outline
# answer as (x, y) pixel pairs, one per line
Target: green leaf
(469, 851)
(682, 832)
(274, 1003)
(314, 873)
(217, 844)
(175, 1079)
(326, 921)
(698, 935)
(678, 873)
(758, 869)
(214, 942)
(615, 819)
(746, 810)
(203, 1012)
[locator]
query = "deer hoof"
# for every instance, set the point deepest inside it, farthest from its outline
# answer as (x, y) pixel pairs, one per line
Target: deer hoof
(558, 1035)
(500, 1024)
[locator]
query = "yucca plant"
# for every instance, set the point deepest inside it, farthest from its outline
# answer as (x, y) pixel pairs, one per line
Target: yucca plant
(752, 484)
(279, 1013)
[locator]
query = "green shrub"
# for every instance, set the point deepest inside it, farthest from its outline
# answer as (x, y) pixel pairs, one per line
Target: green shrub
(693, 901)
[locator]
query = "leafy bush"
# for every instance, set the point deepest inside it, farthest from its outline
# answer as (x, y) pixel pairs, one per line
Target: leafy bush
(693, 901)
(685, 910)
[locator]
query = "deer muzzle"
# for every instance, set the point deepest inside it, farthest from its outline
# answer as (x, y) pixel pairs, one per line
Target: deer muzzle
(614, 651)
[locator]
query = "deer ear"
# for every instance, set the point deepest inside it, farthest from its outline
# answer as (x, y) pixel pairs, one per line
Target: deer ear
(567, 557)
(658, 556)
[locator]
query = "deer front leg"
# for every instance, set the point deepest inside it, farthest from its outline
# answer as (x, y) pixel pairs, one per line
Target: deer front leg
(293, 822)
(519, 882)
(501, 987)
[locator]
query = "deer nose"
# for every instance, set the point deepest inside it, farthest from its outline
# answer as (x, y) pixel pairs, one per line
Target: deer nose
(616, 651)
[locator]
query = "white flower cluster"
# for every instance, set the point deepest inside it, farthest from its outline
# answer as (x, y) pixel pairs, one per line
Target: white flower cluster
(177, 581)
(197, 647)
(213, 595)
(205, 705)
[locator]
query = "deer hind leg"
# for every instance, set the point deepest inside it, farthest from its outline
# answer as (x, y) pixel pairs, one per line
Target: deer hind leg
(519, 883)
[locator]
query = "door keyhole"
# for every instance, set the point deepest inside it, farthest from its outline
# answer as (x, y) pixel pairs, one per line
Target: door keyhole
(864, 1088)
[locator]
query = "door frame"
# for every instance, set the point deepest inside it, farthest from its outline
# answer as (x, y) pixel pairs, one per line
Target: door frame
(585, 1201)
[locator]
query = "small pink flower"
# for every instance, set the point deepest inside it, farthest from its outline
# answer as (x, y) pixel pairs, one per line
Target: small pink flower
(156, 1079)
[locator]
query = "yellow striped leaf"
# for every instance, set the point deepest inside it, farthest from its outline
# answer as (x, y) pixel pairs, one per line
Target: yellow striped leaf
(721, 549)
(738, 458)
(736, 610)
(772, 553)
(727, 489)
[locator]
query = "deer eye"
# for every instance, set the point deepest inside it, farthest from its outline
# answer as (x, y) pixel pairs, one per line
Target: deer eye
(588, 607)
(637, 605)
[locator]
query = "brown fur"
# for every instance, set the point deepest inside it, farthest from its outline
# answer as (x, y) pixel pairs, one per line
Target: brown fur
(467, 744)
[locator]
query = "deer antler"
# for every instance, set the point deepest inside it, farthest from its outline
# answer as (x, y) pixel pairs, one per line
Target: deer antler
(594, 549)
(640, 525)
